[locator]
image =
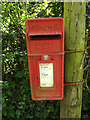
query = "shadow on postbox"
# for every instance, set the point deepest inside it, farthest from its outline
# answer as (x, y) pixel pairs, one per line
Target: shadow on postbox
(45, 48)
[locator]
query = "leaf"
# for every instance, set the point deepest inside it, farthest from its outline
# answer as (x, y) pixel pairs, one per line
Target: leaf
(5, 113)
(45, 114)
(4, 105)
(17, 112)
(19, 74)
(85, 107)
(37, 114)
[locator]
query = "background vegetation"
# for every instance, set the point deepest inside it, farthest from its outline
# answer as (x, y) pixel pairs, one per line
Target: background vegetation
(16, 97)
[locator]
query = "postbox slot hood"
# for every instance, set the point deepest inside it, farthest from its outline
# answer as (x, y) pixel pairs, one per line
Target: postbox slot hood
(45, 27)
(38, 34)
(45, 37)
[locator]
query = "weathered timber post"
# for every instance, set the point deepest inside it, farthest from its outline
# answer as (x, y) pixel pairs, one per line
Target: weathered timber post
(74, 18)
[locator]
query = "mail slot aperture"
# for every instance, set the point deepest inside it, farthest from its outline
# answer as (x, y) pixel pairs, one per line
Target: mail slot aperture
(45, 37)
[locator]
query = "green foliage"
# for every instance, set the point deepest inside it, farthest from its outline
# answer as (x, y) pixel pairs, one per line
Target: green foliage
(16, 97)
(86, 89)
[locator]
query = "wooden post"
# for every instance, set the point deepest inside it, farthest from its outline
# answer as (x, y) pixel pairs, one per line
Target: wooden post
(74, 18)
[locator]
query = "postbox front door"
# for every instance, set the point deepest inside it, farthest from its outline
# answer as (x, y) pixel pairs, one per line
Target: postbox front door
(45, 48)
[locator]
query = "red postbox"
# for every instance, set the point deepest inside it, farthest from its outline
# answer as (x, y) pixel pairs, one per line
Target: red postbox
(45, 48)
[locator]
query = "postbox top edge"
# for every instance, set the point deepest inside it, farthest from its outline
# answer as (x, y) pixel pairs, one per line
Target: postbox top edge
(42, 19)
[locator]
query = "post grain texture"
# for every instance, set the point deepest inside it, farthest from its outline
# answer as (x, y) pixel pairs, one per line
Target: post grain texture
(74, 20)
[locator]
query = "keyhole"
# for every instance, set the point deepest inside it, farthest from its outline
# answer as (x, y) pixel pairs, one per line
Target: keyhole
(37, 77)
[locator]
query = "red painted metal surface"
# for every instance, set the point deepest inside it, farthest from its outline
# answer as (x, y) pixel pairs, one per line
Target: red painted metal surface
(45, 36)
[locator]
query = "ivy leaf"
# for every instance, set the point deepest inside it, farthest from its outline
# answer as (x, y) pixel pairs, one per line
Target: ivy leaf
(5, 113)
(19, 74)
(85, 107)
(17, 112)
(45, 114)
